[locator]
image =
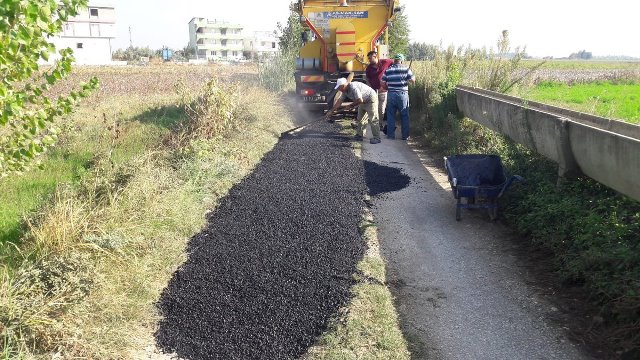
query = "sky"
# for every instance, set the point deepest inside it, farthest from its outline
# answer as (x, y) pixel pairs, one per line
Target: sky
(546, 27)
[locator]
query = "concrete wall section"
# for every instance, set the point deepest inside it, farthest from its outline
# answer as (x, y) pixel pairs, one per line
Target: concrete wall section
(603, 149)
(607, 157)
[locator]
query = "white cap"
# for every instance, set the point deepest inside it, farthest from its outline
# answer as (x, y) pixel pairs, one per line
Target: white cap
(340, 82)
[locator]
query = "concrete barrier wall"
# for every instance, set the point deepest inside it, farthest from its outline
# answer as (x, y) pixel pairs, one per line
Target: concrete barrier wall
(603, 149)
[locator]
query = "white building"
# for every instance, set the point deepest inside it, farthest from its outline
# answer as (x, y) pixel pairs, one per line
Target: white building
(261, 44)
(89, 35)
(216, 40)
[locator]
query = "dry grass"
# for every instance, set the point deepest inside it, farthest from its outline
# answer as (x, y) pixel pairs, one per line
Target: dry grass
(99, 252)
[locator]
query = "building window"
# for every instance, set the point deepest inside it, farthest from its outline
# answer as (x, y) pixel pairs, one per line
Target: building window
(273, 45)
(95, 29)
(69, 29)
(79, 45)
(93, 12)
(235, 53)
(213, 53)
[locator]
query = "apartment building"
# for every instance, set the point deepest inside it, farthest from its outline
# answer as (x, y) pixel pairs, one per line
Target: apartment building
(216, 40)
(261, 44)
(89, 35)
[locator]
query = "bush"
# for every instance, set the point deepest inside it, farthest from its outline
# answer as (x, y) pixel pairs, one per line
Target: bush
(276, 74)
(210, 114)
(134, 53)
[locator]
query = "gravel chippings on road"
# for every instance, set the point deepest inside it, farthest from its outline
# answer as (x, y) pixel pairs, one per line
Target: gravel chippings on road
(275, 260)
(383, 179)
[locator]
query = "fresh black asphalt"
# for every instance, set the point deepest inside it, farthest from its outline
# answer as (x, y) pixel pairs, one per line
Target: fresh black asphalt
(275, 261)
(383, 179)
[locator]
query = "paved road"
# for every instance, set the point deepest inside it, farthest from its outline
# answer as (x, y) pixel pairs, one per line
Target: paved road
(460, 294)
(273, 263)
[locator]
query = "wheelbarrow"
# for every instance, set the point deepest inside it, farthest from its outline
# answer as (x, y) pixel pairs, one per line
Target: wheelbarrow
(478, 178)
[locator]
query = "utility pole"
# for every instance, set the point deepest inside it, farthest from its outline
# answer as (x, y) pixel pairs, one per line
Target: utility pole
(130, 40)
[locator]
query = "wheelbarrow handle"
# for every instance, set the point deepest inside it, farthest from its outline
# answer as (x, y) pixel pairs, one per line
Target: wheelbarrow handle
(509, 182)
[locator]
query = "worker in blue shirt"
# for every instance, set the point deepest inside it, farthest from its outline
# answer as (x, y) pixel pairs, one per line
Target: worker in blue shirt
(397, 79)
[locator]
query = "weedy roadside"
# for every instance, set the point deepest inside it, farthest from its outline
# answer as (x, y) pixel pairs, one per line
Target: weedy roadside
(82, 278)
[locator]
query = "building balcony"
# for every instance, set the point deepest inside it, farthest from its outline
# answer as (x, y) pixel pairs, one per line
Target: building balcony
(220, 47)
(216, 35)
(219, 43)
(209, 46)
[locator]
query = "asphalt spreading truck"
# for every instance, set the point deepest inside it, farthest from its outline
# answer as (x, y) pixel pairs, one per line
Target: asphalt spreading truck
(337, 36)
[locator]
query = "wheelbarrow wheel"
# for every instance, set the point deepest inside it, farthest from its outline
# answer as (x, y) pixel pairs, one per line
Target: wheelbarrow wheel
(493, 212)
(471, 201)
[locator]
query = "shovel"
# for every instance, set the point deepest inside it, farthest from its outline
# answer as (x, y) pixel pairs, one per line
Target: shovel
(302, 126)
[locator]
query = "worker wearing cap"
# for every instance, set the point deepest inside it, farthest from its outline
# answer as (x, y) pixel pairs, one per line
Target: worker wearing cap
(397, 79)
(363, 97)
(374, 72)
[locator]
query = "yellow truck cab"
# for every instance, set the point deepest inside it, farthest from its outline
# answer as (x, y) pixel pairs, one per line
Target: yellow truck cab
(338, 35)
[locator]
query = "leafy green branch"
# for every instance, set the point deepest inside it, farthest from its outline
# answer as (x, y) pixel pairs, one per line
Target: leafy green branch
(27, 111)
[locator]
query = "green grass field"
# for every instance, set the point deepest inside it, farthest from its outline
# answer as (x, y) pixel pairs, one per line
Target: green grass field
(583, 64)
(607, 99)
(21, 196)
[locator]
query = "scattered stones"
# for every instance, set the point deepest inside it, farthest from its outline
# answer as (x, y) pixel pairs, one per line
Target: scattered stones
(275, 260)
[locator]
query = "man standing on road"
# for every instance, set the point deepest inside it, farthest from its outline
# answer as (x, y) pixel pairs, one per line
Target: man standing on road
(397, 79)
(366, 99)
(374, 72)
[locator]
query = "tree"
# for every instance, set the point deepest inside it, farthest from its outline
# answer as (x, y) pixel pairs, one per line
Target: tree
(290, 35)
(399, 33)
(422, 51)
(189, 51)
(133, 53)
(27, 112)
(582, 54)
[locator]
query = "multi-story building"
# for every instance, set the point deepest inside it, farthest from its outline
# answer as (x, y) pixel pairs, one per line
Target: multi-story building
(216, 40)
(89, 35)
(261, 44)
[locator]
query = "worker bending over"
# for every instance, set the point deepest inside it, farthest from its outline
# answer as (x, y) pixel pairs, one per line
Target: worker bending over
(366, 99)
